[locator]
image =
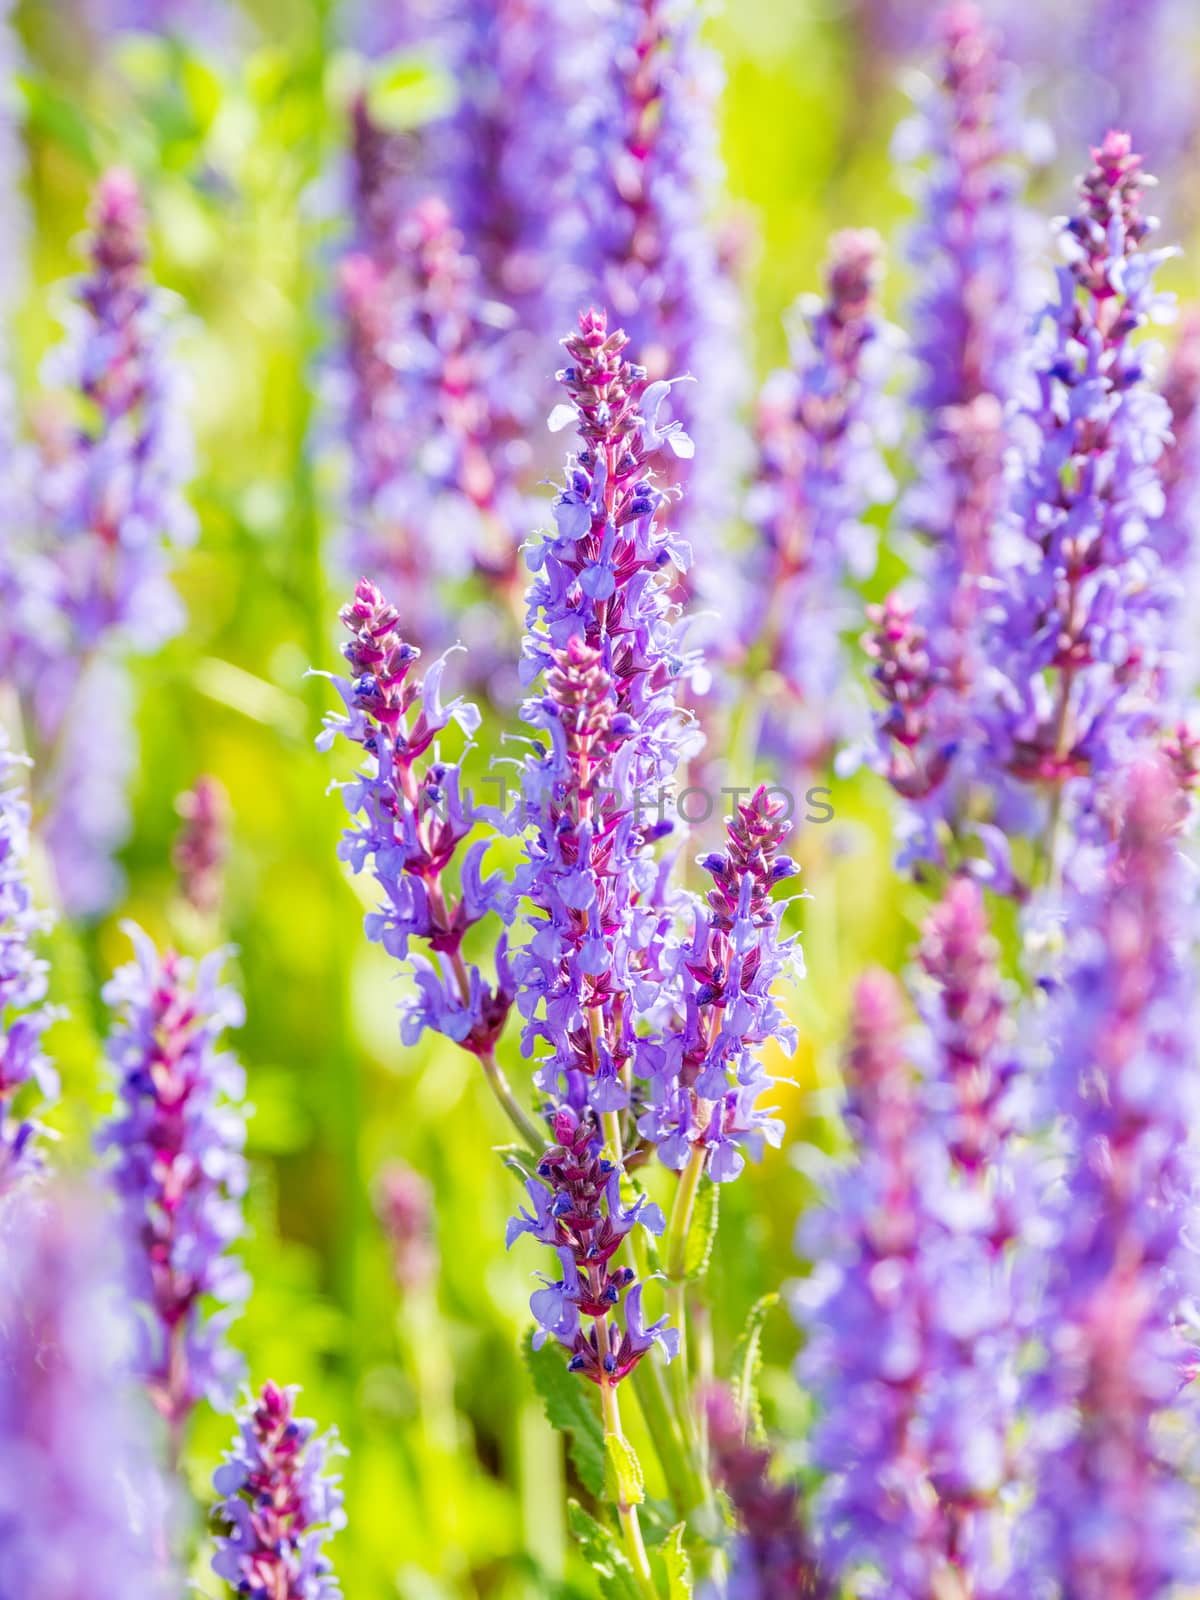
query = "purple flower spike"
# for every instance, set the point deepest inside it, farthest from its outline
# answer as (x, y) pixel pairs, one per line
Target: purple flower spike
(601, 632)
(966, 248)
(967, 1020)
(654, 258)
(108, 516)
(404, 1206)
(820, 469)
(178, 1171)
(970, 314)
(202, 844)
(1077, 639)
(773, 1558)
(410, 819)
(866, 1313)
(82, 1510)
(112, 491)
(1113, 1511)
(24, 1014)
(279, 1503)
(708, 1076)
(578, 1211)
(435, 454)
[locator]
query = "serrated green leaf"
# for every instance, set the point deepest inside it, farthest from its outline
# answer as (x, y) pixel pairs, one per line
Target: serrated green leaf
(703, 1232)
(747, 1362)
(603, 1554)
(568, 1408)
(623, 1480)
(678, 1565)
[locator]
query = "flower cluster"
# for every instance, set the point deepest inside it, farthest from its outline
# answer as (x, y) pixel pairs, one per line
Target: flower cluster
(177, 1168)
(867, 1313)
(279, 1503)
(578, 1211)
(81, 1508)
(111, 488)
(978, 1200)
(435, 457)
(1111, 1514)
(109, 511)
(820, 425)
(708, 1072)
(404, 1206)
(965, 250)
(24, 1015)
(202, 844)
(773, 1557)
(1076, 641)
(411, 816)
(969, 315)
(600, 632)
(653, 256)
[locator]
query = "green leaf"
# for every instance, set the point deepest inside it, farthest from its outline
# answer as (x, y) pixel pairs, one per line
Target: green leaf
(747, 1362)
(678, 1564)
(703, 1232)
(623, 1480)
(568, 1408)
(603, 1554)
(58, 118)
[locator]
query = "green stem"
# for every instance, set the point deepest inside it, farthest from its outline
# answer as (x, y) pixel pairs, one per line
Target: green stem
(675, 1266)
(631, 1527)
(516, 1114)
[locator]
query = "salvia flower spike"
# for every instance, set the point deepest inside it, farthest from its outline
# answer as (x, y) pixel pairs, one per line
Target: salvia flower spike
(175, 1141)
(1111, 1398)
(82, 1509)
(279, 1503)
(709, 1076)
(601, 636)
(578, 1211)
(411, 816)
(821, 425)
(1078, 635)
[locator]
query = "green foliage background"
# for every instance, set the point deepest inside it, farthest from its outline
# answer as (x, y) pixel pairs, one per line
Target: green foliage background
(454, 1479)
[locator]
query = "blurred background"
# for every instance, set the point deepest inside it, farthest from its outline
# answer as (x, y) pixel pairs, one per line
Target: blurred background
(235, 122)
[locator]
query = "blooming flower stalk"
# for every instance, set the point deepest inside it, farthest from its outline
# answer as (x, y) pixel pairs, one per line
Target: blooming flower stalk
(709, 1078)
(1112, 1514)
(410, 817)
(81, 1509)
(773, 1557)
(977, 1197)
(600, 633)
(1077, 639)
(404, 1207)
(435, 455)
(178, 1171)
(654, 257)
(202, 844)
(866, 1312)
(969, 257)
(579, 1213)
(820, 427)
(279, 1505)
(24, 1014)
(109, 514)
